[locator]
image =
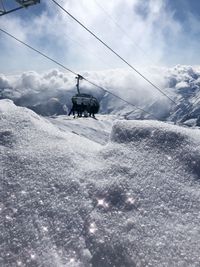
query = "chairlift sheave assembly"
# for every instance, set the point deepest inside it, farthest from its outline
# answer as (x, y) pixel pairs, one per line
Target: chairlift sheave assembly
(20, 4)
(84, 104)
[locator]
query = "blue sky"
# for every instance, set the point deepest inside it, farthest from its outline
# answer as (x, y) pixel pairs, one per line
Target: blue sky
(158, 32)
(182, 7)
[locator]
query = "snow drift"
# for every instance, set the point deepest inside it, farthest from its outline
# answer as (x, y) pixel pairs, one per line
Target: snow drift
(70, 201)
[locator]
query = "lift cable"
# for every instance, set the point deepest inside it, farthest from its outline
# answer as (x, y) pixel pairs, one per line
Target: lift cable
(108, 47)
(122, 99)
(134, 44)
(76, 74)
(42, 54)
(84, 48)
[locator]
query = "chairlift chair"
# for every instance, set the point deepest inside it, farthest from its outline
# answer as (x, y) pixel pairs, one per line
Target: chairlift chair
(84, 103)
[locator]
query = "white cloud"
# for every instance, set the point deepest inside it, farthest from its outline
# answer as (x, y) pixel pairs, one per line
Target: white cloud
(54, 33)
(31, 88)
(4, 82)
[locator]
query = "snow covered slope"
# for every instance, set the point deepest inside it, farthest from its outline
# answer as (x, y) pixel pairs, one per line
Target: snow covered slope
(67, 200)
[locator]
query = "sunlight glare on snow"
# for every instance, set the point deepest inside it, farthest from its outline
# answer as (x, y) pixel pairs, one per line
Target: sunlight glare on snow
(19, 263)
(121, 200)
(23, 192)
(9, 218)
(130, 200)
(44, 228)
(92, 228)
(33, 256)
(72, 260)
(101, 202)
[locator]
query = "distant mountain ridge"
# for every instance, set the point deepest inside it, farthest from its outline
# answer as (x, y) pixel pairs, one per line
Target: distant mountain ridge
(181, 83)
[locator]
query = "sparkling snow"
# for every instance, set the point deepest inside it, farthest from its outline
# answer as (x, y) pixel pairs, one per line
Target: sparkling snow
(106, 192)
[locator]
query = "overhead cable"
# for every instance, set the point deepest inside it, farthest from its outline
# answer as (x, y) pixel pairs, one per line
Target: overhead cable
(73, 72)
(83, 47)
(34, 49)
(122, 99)
(113, 51)
(123, 31)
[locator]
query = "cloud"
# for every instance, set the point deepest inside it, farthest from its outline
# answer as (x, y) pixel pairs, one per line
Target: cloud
(181, 83)
(4, 83)
(55, 82)
(149, 27)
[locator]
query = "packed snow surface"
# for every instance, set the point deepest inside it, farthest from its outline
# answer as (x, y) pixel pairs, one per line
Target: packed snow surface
(106, 192)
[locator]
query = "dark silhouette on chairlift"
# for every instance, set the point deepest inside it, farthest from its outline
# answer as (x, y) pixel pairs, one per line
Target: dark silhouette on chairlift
(83, 104)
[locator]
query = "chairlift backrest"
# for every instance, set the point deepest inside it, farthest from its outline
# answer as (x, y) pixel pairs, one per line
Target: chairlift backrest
(86, 100)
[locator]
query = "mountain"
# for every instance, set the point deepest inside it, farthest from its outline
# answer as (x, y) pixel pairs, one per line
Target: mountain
(105, 192)
(50, 93)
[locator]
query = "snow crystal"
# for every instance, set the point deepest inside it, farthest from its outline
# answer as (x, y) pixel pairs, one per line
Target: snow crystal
(130, 200)
(67, 200)
(33, 256)
(19, 263)
(102, 203)
(92, 228)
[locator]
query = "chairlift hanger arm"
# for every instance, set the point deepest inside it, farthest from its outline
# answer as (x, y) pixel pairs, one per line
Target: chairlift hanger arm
(79, 77)
(22, 3)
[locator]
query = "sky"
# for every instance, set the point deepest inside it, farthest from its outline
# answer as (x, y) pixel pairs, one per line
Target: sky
(146, 33)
